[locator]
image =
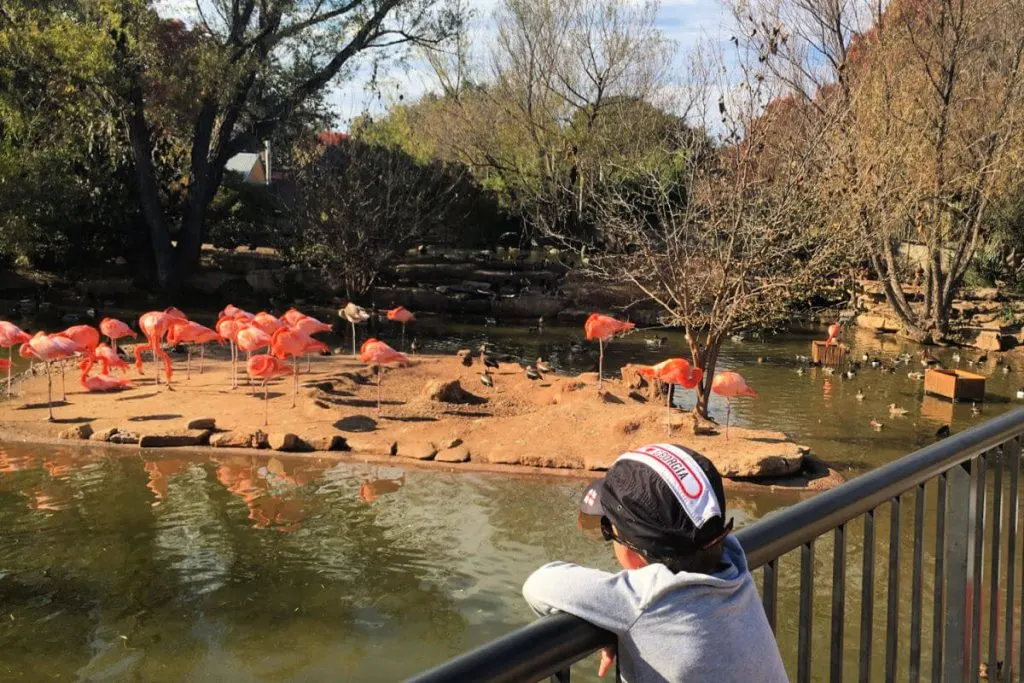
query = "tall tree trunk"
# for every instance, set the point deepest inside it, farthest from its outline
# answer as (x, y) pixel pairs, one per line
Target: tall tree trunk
(706, 359)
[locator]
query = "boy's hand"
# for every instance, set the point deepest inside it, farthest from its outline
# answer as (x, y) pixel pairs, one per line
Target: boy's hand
(607, 659)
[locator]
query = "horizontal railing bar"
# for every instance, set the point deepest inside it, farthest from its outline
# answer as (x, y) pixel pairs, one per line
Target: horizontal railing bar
(550, 644)
(778, 534)
(530, 653)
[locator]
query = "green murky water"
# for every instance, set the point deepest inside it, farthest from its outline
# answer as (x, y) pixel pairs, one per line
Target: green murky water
(117, 566)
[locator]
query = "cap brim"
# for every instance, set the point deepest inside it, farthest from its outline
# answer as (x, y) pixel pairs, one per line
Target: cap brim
(590, 501)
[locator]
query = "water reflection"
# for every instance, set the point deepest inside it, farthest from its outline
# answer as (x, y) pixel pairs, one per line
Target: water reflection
(374, 488)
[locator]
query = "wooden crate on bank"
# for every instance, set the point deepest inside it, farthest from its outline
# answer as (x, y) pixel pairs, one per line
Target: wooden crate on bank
(831, 355)
(956, 385)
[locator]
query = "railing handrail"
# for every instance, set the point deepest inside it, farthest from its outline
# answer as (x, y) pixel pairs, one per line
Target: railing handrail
(555, 642)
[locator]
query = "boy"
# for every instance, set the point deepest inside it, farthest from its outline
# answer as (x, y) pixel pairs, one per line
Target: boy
(685, 608)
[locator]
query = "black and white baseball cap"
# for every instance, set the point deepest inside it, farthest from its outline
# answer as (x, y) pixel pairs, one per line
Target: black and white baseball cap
(665, 499)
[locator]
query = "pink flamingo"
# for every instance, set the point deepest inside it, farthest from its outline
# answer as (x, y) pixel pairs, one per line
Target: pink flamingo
(378, 353)
(228, 328)
(50, 348)
(833, 333)
(292, 316)
(673, 371)
(10, 336)
(104, 382)
(266, 322)
(266, 368)
(310, 326)
(402, 315)
(602, 328)
(251, 339)
(154, 326)
(106, 357)
(730, 385)
(114, 329)
(190, 332)
(232, 311)
(290, 342)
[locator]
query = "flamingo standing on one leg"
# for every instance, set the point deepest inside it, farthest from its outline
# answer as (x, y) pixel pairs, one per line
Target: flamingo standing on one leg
(291, 342)
(50, 348)
(190, 333)
(401, 315)
(266, 367)
(378, 353)
(311, 326)
(354, 314)
(267, 322)
(602, 328)
(228, 328)
(730, 385)
(251, 339)
(114, 329)
(10, 336)
(833, 333)
(673, 371)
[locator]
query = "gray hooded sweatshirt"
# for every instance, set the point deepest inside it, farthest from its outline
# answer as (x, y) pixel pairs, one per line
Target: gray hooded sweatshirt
(678, 628)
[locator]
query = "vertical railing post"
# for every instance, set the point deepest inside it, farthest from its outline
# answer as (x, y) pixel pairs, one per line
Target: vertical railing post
(961, 588)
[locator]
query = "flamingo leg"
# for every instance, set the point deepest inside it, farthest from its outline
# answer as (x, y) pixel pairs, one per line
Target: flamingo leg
(309, 365)
(49, 392)
(403, 336)
(188, 363)
(154, 343)
(380, 374)
(600, 361)
(10, 361)
(295, 381)
(728, 414)
(63, 385)
(668, 406)
(202, 357)
(234, 364)
(353, 338)
(266, 413)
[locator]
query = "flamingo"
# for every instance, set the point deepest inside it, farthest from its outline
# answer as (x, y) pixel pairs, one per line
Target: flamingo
(833, 333)
(310, 326)
(107, 357)
(378, 353)
(266, 367)
(730, 385)
(154, 326)
(292, 316)
(5, 364)
(673, 371)
(354, 314)
(114, 329)
(190, 332)
(602, 328)
(104, 382)
(267, 323)
(48, 348)
(402, 315)
(251, 339)
(10, 336)
(228, 328)
(289, 341)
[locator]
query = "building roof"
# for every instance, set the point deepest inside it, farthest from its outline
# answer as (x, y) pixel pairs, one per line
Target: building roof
(243, 163)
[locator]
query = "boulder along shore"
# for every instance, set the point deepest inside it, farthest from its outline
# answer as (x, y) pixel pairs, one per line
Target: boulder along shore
(434, 413)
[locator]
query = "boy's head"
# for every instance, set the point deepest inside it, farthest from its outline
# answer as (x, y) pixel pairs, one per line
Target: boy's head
(662, 503)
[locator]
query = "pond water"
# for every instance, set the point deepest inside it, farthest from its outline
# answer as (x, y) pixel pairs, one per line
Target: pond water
(124, 566)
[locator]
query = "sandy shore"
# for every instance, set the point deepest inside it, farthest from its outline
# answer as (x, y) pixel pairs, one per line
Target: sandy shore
(555, 425)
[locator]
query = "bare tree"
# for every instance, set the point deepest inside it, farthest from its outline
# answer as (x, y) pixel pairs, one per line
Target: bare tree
(732, 238)
(929, 98)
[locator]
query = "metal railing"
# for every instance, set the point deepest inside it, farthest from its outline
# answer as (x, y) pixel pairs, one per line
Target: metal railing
(965, 472)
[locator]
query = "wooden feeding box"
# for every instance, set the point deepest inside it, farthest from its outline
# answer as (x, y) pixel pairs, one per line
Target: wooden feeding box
(831, 355)
(956, 385)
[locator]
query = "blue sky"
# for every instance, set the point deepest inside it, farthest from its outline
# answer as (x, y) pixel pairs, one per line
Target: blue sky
(685, 22)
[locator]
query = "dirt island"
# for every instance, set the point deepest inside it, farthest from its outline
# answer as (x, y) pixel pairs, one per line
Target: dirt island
(436, 412)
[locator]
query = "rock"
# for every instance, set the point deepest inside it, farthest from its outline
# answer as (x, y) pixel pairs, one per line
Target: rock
(878, 322)
(418, 450)
(283, 441)
(189, 437)
(530, 306)
(990, 340)
(454, 454)
(755, 463)
(201, 423)
(445, 391)
(983, 294)
(127, 438)
(78, 432)
(639, 384)
(103, 434)
(449, 443)
(334, 442)
(234, 440)
(263, 281)
(393, 448)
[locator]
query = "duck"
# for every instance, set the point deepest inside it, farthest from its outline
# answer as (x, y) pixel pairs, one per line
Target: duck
(736, 338)
(413, 347)
(1007, 369)
(942, 432)
(975, 410)
(860, 395)
(490, 322)
(801, 358)
(875, 363)
(543, 366)
(956, 358)
(916, 375)
(486, 379)
(760, 360)
(849, 374)
(829, 371)
(982, 359)
(1020, 394)
(865, 357)
(467, 360)
(656, 341)
(532, 374)
(876, 425)
(800, 371)
(896, 411)
(928, 360)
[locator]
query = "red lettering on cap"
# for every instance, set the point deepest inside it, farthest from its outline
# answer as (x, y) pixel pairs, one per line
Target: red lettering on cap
(681, 471)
